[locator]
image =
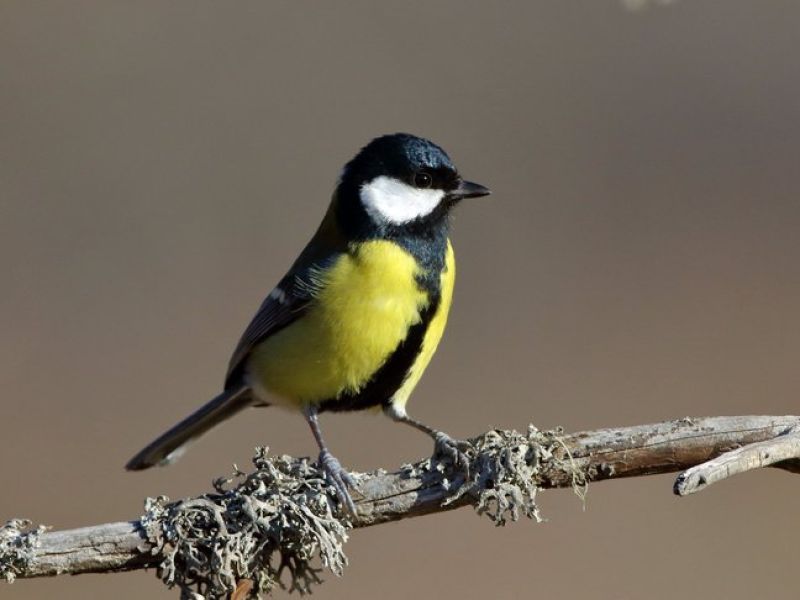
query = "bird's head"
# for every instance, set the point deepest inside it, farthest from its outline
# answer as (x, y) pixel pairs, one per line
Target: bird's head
(399, 182)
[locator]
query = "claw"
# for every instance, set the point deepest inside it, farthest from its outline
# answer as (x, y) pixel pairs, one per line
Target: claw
(455, 451)
(340, 479)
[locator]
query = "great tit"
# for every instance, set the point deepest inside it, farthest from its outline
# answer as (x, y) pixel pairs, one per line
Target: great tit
(356, 320)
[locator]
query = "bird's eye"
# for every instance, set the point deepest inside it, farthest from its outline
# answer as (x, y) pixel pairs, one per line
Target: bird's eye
(423, 180)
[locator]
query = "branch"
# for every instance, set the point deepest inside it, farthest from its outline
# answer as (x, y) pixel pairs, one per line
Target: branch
(748, 458)
(285, 512)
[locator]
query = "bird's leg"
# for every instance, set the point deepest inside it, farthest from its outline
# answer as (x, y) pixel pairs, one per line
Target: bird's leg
(445, 446)
(336, 474)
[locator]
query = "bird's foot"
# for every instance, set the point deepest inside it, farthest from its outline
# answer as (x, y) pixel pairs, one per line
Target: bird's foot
(340, 479)
(454, 451)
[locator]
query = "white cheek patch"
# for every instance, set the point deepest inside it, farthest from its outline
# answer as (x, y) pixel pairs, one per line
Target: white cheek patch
(392, 200)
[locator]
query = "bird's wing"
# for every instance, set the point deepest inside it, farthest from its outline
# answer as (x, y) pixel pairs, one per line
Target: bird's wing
(292, 297)
(286, 303)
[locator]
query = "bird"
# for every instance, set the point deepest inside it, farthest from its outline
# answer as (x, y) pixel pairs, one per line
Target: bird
(356, 319)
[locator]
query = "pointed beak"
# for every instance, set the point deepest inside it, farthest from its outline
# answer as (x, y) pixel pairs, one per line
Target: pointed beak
(468, 189)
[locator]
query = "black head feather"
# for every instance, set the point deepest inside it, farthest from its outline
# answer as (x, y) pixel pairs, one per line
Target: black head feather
(400, 156)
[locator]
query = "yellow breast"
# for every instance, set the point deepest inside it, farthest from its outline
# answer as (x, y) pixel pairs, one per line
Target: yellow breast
(365, 305)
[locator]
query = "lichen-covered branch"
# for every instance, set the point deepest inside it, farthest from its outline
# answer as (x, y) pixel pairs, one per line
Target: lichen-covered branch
(271, 526)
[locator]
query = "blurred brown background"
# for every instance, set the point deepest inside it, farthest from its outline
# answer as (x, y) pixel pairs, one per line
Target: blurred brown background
(162, 163)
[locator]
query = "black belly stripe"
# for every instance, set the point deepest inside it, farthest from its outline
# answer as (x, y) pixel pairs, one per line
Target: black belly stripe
(388, 379)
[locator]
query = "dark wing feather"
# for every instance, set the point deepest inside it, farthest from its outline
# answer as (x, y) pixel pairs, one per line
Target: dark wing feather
(285, 304)
(294, 294)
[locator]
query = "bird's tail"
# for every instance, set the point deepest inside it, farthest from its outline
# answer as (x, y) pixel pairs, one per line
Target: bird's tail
(169, 446)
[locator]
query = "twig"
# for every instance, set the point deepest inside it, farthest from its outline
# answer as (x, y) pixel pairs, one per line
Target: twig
(721, 446)
(747, 458)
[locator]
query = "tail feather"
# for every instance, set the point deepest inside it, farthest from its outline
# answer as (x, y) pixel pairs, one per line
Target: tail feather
(169, 446)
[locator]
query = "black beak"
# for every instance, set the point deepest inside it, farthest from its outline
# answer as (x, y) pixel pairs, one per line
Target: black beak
(468, 189)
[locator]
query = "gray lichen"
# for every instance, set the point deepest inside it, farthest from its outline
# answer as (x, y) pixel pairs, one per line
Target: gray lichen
(279, 526)
(268, 528)
(279, 518)
(18, 539)
(505, 469)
